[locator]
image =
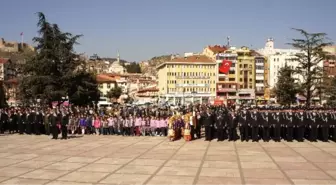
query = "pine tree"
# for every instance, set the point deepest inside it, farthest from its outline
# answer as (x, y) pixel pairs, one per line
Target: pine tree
(53, 72)
(285, 89)
(114, 93)
(310, 60)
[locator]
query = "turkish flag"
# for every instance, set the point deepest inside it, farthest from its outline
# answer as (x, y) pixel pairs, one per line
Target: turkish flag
(225, 66)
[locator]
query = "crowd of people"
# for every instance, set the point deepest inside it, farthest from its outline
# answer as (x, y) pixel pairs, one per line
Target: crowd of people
(219, 122)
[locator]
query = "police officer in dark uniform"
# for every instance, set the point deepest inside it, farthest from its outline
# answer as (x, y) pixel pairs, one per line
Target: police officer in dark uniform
(233, 123)
(3, 121)
(254, 125)
(313, 131)
(64, 125)
(12, 122)
(220, 126)
(198, 124)
(22, 121)
(300, 125)
(244, 127)
(30, 121)
(332, 122)
(290, 126)
(266, 126)
(324, 126)
(53, 122)
(277, 125)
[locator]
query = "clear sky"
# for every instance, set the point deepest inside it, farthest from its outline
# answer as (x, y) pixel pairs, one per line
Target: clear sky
(141, 29)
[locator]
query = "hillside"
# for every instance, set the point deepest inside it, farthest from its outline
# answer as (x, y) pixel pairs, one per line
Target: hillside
(153, 63)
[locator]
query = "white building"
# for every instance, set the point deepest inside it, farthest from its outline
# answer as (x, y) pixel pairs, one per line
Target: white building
(116, 67)
(278, 58)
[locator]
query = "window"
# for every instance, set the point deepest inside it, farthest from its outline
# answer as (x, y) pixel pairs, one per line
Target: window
(245, 65)
(231, 72)
(250, 87)
(108, 85)
(250, 79)
(240, 66)
(240, 79)
(250, 72)
(231, 79)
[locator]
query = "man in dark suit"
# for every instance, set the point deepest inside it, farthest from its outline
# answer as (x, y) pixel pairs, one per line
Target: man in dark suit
(208, 123)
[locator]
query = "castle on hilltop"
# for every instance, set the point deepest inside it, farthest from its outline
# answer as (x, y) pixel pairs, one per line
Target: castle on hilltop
(8, 46)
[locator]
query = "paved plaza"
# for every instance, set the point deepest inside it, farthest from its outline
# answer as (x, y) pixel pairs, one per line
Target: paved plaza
(155, 160)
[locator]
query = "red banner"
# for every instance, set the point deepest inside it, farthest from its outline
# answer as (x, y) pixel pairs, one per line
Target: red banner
(225, 66)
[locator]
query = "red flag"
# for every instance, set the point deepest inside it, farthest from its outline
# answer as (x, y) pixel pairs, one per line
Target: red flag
(225, 66)
(21, 33)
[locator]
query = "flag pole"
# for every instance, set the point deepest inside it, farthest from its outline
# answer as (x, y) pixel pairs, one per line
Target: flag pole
(21, 40)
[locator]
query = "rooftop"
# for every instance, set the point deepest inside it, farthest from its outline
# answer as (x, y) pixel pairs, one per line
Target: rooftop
(217, 48)
(193, 59)
(3, 60)
(101, 78)
(150, 89)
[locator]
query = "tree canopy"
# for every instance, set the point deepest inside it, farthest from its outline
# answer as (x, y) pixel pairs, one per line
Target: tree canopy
(55, 71)
(285, 89)
(309, 61)
(3, 99)
(114, 93)
(133, 67)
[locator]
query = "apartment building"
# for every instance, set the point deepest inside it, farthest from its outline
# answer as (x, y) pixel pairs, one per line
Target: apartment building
(185, 80)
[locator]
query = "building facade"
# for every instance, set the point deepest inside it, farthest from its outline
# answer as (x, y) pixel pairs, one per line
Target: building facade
(329, 64)
(261, 77)
(185, 80)
(150, 94)
(278, 58)
(212, 51)
(227, 83)
(9, 80)
(105, 83)
(246, 75)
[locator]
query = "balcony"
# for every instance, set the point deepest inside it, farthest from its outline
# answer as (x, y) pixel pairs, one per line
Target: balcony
(192, 77)
(259, 91)
(260, 78)
(259, 85)
(260, 71)
(246, 69)
(226, 90)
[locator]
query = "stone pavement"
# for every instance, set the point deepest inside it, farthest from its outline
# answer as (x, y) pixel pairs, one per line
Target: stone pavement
(153, 160)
